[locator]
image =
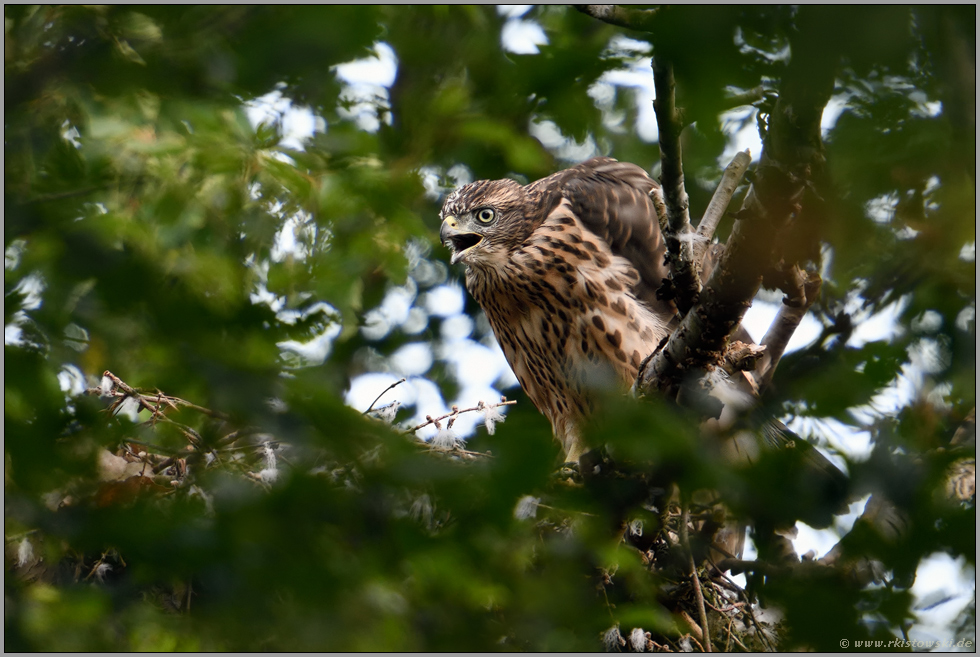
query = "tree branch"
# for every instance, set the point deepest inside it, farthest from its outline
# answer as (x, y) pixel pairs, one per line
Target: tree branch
(693, 573)
(749, 97)
(640, 20)
(782, 329)
(719, 203)
(679, 236)
(792, 149)
(396, 383)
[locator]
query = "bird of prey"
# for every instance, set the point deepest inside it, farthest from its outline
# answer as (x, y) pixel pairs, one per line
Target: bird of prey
(566, 270)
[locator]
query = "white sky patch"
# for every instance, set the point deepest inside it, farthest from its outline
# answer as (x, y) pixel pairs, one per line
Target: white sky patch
(758, 318)
(71, 380)
(292, 239)
(881, 209)
(461, 174)
(458, 327)
(853, 442)
(513, 11)
(380, 69)
(969, 252)
(822, 540)
(31, 287)
(262, 293)
(831, 112)
(445, 300)
(638, 78)
(923, 106)
(473, 364)
(13, 253)
(882, 325)
(782, 55)
(522, 37)
(297, 123)
(942, 589)
(928, 321)
(625, 44)
(566, 148)
(603, 94)
(366, 387)
(413, 359)
(430, 181)
(739, 124)
(315, 350)
(428, 401)
(926, 357)
(416, 322)
(12, 333)
(393, 311)
(398, 301)
(70, 134)
(965, 317)
(368, 80)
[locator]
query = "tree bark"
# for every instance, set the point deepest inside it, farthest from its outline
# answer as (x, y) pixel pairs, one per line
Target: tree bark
(792, 150)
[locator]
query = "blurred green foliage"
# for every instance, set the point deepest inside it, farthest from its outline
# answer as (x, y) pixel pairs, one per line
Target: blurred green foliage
(143, 218)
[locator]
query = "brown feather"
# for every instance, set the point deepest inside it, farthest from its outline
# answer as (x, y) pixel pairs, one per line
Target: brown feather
(566, 270)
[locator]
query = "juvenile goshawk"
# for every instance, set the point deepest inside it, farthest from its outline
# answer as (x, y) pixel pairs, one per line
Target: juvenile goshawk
(566, 270)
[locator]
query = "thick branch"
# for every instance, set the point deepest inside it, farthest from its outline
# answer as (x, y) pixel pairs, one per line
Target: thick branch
(679, 236)
(719, 203)
(792, 149)
(632, 19)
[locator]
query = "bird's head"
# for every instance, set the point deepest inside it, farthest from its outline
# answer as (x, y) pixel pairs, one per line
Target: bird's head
(482, 222)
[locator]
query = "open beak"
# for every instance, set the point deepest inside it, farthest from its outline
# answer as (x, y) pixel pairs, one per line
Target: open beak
(460, 242)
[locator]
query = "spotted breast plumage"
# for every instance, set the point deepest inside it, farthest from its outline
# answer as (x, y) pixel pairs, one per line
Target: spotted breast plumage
(566, 270)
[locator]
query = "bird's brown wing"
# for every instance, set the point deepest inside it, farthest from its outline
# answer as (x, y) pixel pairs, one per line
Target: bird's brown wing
(612, 199)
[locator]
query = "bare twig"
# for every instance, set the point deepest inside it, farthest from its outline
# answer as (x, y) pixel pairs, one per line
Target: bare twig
(17, 537)
(455, 451)
(695, 581)
(640, 20)
(719, 203)
(728, 631)
(782, 329)
(679, 236)
(145, 399)
(457, 411)
(396, 383)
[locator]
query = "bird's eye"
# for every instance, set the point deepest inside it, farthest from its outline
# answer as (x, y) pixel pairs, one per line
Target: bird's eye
(485, 215)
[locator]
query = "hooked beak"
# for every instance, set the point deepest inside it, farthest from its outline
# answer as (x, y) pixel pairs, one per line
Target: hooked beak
(459, 241)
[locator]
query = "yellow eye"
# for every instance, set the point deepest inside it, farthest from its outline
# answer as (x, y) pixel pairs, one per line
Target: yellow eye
(485, 215)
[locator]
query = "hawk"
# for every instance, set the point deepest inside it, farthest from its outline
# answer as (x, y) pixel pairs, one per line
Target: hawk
(566, 270)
